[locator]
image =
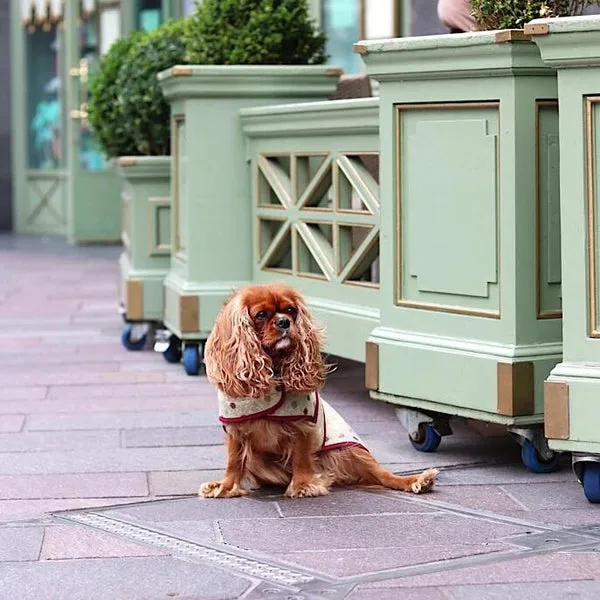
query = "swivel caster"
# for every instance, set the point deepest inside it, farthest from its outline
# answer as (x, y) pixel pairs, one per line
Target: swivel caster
(131, 339)
(591, 482)
(535, 462)
(427, 440)
(192, 359)
(173, 352)
(425, 431)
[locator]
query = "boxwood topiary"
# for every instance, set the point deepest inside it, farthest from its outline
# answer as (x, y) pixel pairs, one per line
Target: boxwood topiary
(104, 115)
(146, 113)
(514, 14)
(254, 32)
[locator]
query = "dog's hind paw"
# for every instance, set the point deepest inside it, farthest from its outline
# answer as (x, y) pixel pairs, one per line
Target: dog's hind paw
(424, 482)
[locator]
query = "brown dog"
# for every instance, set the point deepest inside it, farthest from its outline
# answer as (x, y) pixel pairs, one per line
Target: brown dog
(264, 357)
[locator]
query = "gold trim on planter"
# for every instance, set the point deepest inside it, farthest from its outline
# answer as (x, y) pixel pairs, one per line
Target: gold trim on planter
(537, 29)
(176, 120)
(516, 394)
(180, 70)
(511, 35)
(556, 410)
(134, 299)
(591, 215)
(489, 314)
(372, 366)
(189, 314)
(547, 314)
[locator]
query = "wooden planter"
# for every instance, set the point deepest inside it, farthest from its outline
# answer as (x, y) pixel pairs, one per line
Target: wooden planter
(212, 205)
(470, 268)
(146, 225)
(315, 205)
(572, 393)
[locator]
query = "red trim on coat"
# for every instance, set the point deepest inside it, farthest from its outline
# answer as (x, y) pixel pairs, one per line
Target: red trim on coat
(254, 416)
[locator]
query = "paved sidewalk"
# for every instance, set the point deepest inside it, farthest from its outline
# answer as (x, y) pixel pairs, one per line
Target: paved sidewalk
(102, 451)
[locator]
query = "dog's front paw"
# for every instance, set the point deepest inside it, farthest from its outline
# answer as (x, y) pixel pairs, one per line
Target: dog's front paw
(424, 482)
(216, 489)
(307, 489)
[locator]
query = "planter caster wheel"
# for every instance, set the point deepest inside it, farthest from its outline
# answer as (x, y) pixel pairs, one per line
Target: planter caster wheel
(130, 341)
(534, 461)
(428, 439)
(173, 353)
(192, 359)
(591, 482)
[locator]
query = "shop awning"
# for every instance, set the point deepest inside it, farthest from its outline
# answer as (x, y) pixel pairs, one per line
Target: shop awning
(41, 13)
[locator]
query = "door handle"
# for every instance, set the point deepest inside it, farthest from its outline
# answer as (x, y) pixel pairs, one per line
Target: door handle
(81, 73)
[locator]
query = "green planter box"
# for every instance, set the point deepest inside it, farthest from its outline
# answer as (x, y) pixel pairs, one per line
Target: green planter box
(212, 223)
(315, 210)
(572, 394)
(146, 226)
(470, 278)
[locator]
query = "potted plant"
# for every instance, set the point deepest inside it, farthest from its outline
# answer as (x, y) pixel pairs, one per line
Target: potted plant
(571, 46)
(242, 53)
(471, 314)
(131, 120)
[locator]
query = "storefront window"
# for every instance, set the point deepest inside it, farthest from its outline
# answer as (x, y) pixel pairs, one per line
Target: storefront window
(149, 14)
(90, 156)
(44, 99)
(341, 22)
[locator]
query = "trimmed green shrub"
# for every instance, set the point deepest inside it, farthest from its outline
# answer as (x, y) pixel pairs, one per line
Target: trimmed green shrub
(146, 113)
(254, 32)
(514, 14)
(104, 114)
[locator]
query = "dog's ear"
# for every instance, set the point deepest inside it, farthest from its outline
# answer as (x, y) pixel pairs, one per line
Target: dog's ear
(304, 369)
(234, 358)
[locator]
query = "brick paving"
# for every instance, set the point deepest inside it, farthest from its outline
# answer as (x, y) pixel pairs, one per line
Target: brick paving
(102, 451)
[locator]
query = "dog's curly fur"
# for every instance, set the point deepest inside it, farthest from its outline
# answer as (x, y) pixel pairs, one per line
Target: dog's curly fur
(247, 355)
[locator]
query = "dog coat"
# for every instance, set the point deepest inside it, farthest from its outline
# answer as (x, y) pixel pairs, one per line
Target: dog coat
(290, 407)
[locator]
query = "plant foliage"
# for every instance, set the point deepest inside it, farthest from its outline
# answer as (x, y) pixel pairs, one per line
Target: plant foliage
(514, 14)
(104, 114)
(146, 113)
(254, 32)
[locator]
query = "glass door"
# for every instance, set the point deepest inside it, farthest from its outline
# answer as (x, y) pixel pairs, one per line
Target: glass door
(94, 186)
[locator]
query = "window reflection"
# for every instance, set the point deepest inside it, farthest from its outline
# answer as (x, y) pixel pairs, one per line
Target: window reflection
(341, 22)
(43, 99)
(149, 14)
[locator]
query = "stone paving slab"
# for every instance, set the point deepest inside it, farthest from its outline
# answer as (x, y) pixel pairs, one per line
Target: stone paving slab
(63, 542)
(112, 460)
(73, 485)
(135, 579)
(11, 423)
(20, 544)
(181, 483)
(183, 436)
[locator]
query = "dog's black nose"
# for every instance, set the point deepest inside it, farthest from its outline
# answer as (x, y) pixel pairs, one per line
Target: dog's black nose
(283, 323)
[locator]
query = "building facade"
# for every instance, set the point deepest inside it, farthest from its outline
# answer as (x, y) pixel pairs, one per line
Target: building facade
(54, 45)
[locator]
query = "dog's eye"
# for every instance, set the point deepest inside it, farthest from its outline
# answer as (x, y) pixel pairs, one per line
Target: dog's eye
(261, 315)
(292, 311)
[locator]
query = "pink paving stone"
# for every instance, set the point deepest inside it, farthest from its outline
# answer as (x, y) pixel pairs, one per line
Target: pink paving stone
(544, 568)
(479, 497)
(590, 561)
(12, 511)
(345, 563)
(69, 542)
(78, 379)
(83, 404)
(11, 423)
(180, 483)
(73, 485)
(197, 387)
(27, 392)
